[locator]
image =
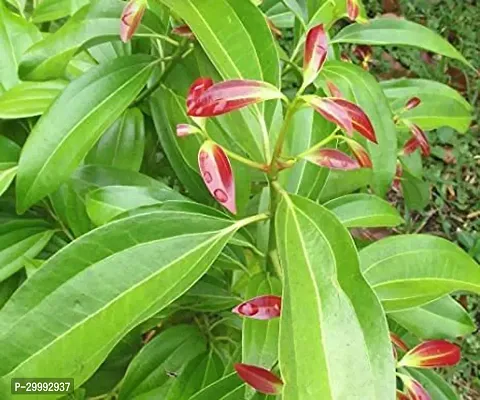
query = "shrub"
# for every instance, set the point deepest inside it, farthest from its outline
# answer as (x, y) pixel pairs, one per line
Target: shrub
(244, 256)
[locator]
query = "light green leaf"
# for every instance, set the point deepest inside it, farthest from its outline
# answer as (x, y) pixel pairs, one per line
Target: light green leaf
(69, 200)
(90, 26)
(362, 88)
(19, 240)
(18, 4)
(29, 99)
(106, 203)
(340, 183)
(6, 178)
(441, 105)
(169, 352)
(441, 319)
(125, 272)
(221, 389)
(434, 384)
(16, 36)
(123, 144)
(412, 270)
(398, 31)
(416, 191)
(333, 333)
(49, 10)
(364, 211)
(74, 123)
(260, 338)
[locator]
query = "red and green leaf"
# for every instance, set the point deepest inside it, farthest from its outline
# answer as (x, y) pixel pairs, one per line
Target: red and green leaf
(131, 17)
(262, 380)
(333, 159)
(262, 307)
(432, 354)
(316, 51)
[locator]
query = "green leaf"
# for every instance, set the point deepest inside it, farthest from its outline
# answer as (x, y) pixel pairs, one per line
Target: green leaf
(9, 152)
(340, 183)
(16, 36)
(398, 31)
(18, 4)
(49, 10)
(209, 297)
(21, 239)
(9, 286)
(168, 353)
(29, 99)
(441, 319)
(260, 338)
(306, 179)
(243, 49)
(408, 271)
(125, 272)
(69, 200)
(416, 191)
(221, 389)
(73, 124)
(362, 88)
(168, 110)
(435, 384)
(247, 51)
(6, 178)
(364, 211)
(333, 337)
(123, 144)
(93, 24)
(106, 203)
(199, 373)
(441, 105)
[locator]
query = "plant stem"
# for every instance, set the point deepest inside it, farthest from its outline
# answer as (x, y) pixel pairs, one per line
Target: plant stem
(171, 63)
(246, 161)
(320, 144)
(158, 36)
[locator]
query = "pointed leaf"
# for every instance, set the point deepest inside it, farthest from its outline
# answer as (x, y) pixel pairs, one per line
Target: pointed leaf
(412, 270)
(398, 342)
(360, 154)
(434, 384)
(260, 338)
(50, 10)
(29, 99)
(131, 17)
(232, 95)
(72, 125)
(412, 103)
(16, 36)
(217, 174)
(162, 256)
(316, 50)
(432, 354)
(421, 139)
(397, 31)
(353, 9)
(260, 379)
(6, 178)
(106, 203)
(331, 111)
(317, 357)
(414, 389)
(333, 159)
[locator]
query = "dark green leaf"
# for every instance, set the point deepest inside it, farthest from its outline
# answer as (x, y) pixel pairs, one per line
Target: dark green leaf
(123, 144)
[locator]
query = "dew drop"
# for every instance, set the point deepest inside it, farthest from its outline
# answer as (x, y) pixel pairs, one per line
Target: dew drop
(207, 177)
(220, 195)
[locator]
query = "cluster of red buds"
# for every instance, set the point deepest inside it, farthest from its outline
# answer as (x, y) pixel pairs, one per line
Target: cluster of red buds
(428, 354)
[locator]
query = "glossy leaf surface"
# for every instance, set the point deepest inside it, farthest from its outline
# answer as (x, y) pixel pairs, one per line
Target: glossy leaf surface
(314, 249)
(92, 103)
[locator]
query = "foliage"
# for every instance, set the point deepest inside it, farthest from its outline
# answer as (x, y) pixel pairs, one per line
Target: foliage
(194, 203)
